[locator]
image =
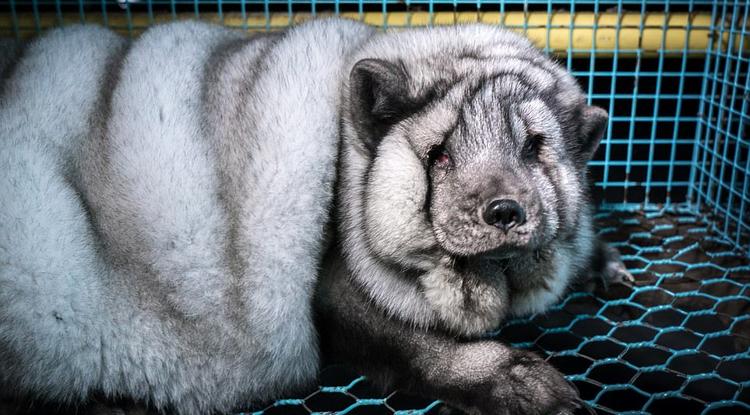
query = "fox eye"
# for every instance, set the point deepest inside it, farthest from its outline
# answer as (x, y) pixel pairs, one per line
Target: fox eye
(532, 145)
(439, 156)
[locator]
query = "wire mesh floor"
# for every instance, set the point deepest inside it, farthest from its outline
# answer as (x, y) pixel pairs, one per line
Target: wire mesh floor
(676, 341)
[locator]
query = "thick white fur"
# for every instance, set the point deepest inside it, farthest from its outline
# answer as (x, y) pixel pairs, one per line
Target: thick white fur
(52, 280)
(117, 270)
(163, 207)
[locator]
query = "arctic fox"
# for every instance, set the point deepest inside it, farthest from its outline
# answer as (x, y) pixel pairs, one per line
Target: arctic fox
(190, 219)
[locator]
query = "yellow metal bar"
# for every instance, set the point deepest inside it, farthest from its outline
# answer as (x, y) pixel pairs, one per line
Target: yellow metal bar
(610, 29)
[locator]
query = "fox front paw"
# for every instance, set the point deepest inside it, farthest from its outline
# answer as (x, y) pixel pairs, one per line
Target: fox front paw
(523, 384)
(613, 270)
(606, 269)
(533, 386)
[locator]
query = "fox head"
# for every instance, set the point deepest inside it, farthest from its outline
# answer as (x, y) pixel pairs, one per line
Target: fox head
(464, 156)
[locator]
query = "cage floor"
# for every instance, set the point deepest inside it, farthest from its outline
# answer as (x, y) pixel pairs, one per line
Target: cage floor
(675, 341)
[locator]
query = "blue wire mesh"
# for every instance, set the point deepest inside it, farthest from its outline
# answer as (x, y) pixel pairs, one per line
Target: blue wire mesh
(671, 179)
(720, 178)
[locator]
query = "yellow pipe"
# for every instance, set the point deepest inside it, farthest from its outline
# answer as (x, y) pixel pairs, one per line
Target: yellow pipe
(661, 31)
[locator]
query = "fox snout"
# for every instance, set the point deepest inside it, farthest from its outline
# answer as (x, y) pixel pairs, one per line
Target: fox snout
(503, 214)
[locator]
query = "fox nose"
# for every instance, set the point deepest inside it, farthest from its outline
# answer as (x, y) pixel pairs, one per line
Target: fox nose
(504, 214)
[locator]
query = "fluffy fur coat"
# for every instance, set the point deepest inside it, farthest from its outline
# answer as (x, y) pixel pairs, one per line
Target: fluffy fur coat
(165, 207)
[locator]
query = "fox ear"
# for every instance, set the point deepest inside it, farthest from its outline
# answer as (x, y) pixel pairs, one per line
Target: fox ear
(593, 126)
(379, 95)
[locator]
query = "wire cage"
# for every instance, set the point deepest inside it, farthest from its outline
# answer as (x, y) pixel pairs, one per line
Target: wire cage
(671, 183)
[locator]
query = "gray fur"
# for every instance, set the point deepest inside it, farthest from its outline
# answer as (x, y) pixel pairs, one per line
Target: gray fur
(165, 205)
(488, 90)
(413, 241)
